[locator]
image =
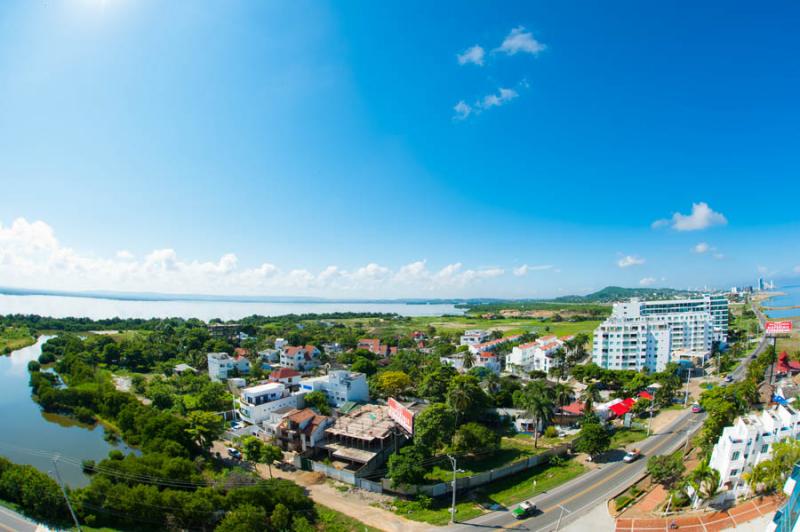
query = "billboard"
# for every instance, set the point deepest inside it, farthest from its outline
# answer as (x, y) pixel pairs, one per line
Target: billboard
(778, 327)
(401, 415)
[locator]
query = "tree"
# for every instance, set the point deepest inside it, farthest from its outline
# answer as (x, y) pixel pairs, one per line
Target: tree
(468, 359)
(365, 366)
(244, 518)
(270, 454)
(536, 399)
(318, 401)
(704, 480)
(465, 397)
(562, 393)
(666, 469)
(433, 428)
(593, 438)
(406, 466)
(641, 407)
(204, 427)
(253, 449)
(474, 438)
(435, 382)
(281, 517)
(590, 395)
(393, 383)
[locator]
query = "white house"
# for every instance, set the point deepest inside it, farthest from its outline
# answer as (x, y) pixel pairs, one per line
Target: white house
(493, 345)
(536, 355)
(258, 402)
(300, 358)
(748, 442)
(221, 365)
(473, 337)
(286, 376)
(280, 343)
(339, 386)
(485, 359)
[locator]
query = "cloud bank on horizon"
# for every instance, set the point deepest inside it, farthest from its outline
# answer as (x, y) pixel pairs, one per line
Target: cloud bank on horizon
(32, 257)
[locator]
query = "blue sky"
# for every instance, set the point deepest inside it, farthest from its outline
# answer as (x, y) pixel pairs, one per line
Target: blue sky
(313, 148)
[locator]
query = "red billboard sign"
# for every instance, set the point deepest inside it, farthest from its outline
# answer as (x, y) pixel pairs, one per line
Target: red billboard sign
(401, 415)
(779, 327)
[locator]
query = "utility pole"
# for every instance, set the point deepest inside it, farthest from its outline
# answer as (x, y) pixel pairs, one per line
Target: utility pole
(688, 377)
(453, 507)
(558, 524)
(650, 419)
(64, 492)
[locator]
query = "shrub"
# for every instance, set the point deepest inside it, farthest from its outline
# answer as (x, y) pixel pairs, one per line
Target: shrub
(551, 432)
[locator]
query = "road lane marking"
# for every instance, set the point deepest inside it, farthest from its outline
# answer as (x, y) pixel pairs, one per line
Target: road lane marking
(594, 485)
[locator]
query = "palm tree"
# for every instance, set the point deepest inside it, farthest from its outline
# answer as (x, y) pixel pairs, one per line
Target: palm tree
(562, 393)
(589, 396)
(458, 398)
(536, 399)
(468, 359)
(704, 480)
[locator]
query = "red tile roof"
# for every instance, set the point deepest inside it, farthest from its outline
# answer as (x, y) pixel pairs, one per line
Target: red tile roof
(575, 408)
(283, 373)
(619, 409)
(645, 395)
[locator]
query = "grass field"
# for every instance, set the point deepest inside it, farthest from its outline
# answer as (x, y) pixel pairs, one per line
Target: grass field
(510, 451)
(623, 437)
(332, 521)
(13, 338)
(379, 327)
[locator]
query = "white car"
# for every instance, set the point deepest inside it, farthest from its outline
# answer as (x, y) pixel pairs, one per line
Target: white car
(632, 455)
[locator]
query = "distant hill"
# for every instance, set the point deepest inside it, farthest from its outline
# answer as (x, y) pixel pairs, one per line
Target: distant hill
(610, 294)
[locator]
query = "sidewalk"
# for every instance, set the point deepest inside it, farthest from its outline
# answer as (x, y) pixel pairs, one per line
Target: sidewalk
(742, 514)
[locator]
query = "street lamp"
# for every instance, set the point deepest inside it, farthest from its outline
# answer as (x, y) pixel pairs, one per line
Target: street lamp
(453, 507)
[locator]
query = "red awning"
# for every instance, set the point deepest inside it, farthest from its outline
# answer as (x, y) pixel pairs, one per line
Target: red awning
(628, 402)
(645, 395)
(619, 409)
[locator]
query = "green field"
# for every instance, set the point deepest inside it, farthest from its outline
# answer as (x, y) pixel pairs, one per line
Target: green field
(623, 437)
(13, 338)
(388, 327)
(510, 451)
(330, 520)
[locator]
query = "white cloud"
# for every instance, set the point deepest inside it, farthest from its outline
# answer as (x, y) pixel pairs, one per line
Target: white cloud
(473, 54)
(462, 109)
(525, 268)
(31, 256)
(702, 247)
(124, 254)
(496, 100)
(719, 256)
(630, 260)
(701, 217)
(519, 40)
(647, 281)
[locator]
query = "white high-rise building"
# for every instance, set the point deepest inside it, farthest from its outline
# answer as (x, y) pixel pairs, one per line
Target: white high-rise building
(748, 442)
(644, 335)
(715, 304)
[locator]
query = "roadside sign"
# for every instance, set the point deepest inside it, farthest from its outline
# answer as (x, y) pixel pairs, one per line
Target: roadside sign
(778, 327)
(626, 421)
(402, 415)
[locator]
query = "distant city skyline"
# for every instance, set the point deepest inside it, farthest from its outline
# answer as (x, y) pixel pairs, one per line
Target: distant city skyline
(362, 150)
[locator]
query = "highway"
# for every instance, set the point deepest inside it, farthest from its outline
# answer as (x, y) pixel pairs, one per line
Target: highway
(11, 521)
(572, 500)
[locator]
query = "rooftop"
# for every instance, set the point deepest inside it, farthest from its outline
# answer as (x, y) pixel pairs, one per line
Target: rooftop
(369, 422)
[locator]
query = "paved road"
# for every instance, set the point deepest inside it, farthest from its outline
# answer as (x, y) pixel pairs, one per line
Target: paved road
(573, 499)
(11, 521)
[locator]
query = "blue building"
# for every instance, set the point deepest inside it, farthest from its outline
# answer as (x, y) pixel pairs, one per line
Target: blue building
(786, 518)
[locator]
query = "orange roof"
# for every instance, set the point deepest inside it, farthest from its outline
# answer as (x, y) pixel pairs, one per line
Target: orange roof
(283, 373)
(298, 416)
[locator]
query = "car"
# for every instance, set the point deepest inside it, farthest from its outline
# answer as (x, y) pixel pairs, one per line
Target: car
(696, 408)
(234, 453)
(728, 378)
(631, 455)
(524, 509)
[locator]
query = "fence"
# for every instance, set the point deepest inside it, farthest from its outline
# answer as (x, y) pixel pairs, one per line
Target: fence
(466, 483)
(348, 477)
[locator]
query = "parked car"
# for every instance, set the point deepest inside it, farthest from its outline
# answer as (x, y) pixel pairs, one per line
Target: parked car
(696, 408)
(524, 509)
(728, 378)
(234, 453)
(631, 455)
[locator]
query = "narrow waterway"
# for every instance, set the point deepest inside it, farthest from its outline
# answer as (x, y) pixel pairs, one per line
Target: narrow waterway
(30, 436)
